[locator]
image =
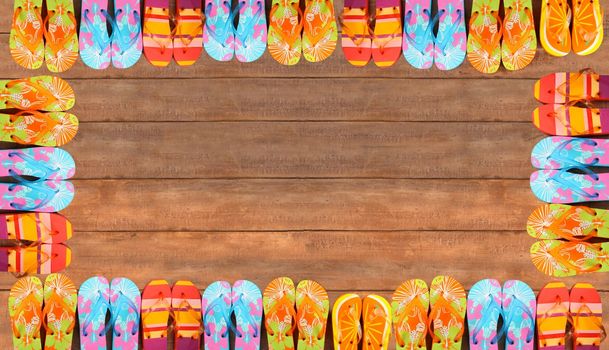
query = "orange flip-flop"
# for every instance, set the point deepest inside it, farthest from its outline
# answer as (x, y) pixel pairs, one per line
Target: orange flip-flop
(346, 324)
(587, 34)
(554, 27)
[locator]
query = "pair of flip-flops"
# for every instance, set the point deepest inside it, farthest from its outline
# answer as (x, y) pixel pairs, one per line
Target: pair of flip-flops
(287, 308)
(581, 307)
(360, 43)
(222, 40)
(28, 316)
(34, 40)
(123, 47)
(122, 299)
(421, 47)
(293, 33)
(568, 108)
(438, 310)
(584, 38)
(184, 43)
(492, 41)
(565, 232)
(514, 304)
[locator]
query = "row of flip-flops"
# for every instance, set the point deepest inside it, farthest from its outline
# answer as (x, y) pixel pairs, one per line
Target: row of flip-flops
(293, 33)
(303, 310)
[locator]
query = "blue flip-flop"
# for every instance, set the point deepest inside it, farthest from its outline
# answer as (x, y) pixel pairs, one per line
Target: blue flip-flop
(519, 310)
(483, 312)
(125, 308)
(93, 305)
(219, 30)
(216, 308)
(418, 38)
(126, 33)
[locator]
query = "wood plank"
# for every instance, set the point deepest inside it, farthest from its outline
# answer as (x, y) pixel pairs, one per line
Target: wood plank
(313, 204)
(303, 150)
(302, 99)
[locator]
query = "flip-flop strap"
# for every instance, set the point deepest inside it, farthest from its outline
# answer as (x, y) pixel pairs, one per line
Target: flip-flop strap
(161, 39)
(226, 27)
(314, 39)
(218, 305)
(563, 33)
(517, 308)
(420, 43)
(556, 153)
(487, 45)
(48, 194)
(96, 307)
(291, 38)
(588, 313)
(415, 304)
(556, 228)
(96, 34)
(486, 316)
(286, 304)
(556, 252)
(310, 306)
(196, 32)
(26, 304)
(47, 122)
(123, 44)
(357, 39)
(240, 304)
(557, 307)
(448, 37)
(45, 170)
(572, 185)
(45, 231)
(249, 25)
(195, 315)
(56, 44)
(57, 302)
(443, 306)
(24, 37)
(561, 89)
(114, 312)
(28, 85)
(161, 304)
(514, 43)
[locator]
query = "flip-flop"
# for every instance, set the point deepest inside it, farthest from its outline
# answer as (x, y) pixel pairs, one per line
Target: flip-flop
(279, 313)
(186, 309)
(251, 32)
(126, 33)
(484, 40)
(346, 323)
(36, 128)
(418, 37)
(587, 35)
(562, 152)
(188, 36)
(216, 309)
(409, 307)
(59, 313)
(93, 305)
(125, 306)
(563, 88)
(246, 302)
(586, 310)
(451, 41)
(519, 306)
(571, 223)
(566, 120)
(95, 44)
(562, 259)
(25, 312)
(157, 35)
(218, 34)
(554, 27)
(356, 36)
(35, 227)
(447, 313)
(387, 34)
(26, 39)
(552, 316)
(483, 312)
(320, 33)
(313, 306)
(35, 259)
(285, 32)
(41, 197)
(43, 163)
(376, 315)
(61, 47)
(156, 307)
(519, 43)
(564, 186)
(44, 93)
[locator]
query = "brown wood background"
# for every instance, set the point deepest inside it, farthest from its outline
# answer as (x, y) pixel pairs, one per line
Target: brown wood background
(357, 178)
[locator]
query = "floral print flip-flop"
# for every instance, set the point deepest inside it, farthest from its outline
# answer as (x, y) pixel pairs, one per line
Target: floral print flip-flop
(519, 310)
(278, 300)
(251, 32)
(409, 308)
(218, 33)
(60, 34)
(320, 33)
(484, 39)
(43, 163)
(285, 32)
(247, 307)
(127, 44)
(568, 222)
(216, 309)
(42, 196)
(418, 36)
(25, 312)
(36, 128)
(26, 39)
(60, 299)
(44, 93)
(563, 259)
(519, 43)
(95, 44)
(483, 313)
(450, 44)
(93, 305)
(125, 308)
(312, 307)
(447, 313)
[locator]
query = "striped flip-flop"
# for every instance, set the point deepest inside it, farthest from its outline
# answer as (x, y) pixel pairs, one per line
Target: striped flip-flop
(60, 34)
(251, 32)
(25, 313)
(219, 30)
(95, 44)
(356, 36)
(188, 35)
(43, 163)
(410, 307)
(346, 323)
(450, 43)
(43, 93)
(41, 196)
(552, 316)
(216, 309)
(312, 306)
(563, 259)
(387, 34)
(279, 314)
(93, 305)
(125, 308)
(285, 32)
(586, 311)
(36, 259)
(186, 309)
(26, 39)
(572, 223)
(484, 39)
(376, 316)
(156, 307)
(587, 32)
(247, 306)
(36, 128)
(59, 312)
(519, 306)
(45, 228)
(568, 120)
(320, 32)
(418, 36)
(483, 311)
(447, 314)
(126, 48)
(563, 88)
(554, 27)
(519, 43)
(157, 35)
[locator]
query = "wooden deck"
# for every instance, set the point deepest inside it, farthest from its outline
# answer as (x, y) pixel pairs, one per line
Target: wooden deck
(357, 178)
